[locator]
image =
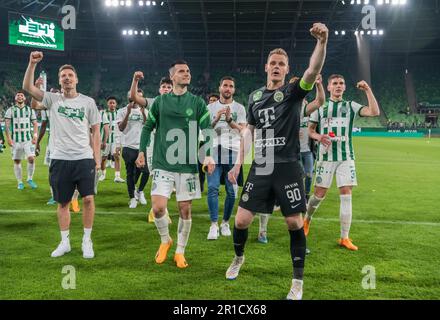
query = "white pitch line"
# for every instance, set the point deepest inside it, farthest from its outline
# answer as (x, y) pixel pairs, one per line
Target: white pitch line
(199, 215)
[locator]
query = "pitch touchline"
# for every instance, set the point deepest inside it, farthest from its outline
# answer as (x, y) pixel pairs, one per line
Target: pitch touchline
(198, 215)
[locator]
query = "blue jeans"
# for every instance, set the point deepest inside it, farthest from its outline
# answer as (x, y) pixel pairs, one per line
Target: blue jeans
(222, 167)
(307, 162)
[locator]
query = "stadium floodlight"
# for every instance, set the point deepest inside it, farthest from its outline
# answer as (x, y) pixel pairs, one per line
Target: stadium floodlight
(130, 32)
(115, 3)
(362, 32)
(358, 1)
(148, 3)
(379, 2)
(124, 32)
(352, 2)
(374, 32)
(147, 33)
(394, 2)
(154, 3)
(142, 32)
(108, 3)
(337, 33)
(122, 3)
(162, 3)
(141, 3)
(366, 2)
(343, 2)
(343, 32)
(159, 32)
(128, 3)
(356, 33)
(165, 33)
(402, 2)
(381, 32)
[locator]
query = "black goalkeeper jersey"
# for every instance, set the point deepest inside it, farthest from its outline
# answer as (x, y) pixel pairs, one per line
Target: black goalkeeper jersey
(276, 117)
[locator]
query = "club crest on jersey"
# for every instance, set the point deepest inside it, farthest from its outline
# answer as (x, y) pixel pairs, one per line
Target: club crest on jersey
(189, 112)
(278, 96)
(257, 95)
(245, 197)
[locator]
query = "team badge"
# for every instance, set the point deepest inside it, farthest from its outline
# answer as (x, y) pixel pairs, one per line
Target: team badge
(245, 197)
(278, 96)
(318, 179)
(257, 95)
(189, 112)
(344, 109)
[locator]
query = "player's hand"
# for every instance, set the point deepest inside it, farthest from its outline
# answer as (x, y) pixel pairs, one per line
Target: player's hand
(363, 86)
(97, 164)
(39, 82)
(318, 79)
(10, 142)
(320, 32)
(228, 113)
(140, 161)
(138, 75)
(209, 163)
(103, 145)
(35, 57)
(324, 139)
(233, 174)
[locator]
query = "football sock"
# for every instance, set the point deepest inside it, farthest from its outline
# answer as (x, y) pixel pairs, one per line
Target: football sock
(30, 170)
(65, 236)
(162, 228)
(75, 195)
(17, 171)
(183, 231)
(87, 234)
(240, 237)
(345, 215)
(298, 252)
(312, 206)
(264, 219)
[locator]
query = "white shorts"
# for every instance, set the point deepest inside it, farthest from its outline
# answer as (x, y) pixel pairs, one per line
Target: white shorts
(47, 157)
(187, 185)
(110, 148)
(23, 150)
(345, 174)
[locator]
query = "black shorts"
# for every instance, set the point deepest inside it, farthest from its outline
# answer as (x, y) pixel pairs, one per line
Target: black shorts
(285, 186)
(66, 175)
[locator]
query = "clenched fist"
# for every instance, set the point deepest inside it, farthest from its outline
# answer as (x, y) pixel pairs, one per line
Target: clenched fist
(36, 57)
(319, 31)
(138, 75)
(363, 86)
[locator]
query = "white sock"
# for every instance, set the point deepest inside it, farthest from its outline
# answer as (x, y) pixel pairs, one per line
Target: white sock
(117, 174)
(87, 234)
(312, 206)
(75, 195)
(213, 223)
(51, 191)
(162, 228)
(17, 171)
(345, 215)
(31, 170)
(103, 172)
(183, 235)
(264, 219)
(65, 236)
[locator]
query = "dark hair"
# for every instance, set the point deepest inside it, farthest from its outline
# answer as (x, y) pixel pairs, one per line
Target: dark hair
(227, 78)
(112, 98)
(21, 91)
(65, 67)
(335, 76)
(165, 80)
(213, 95)
(181, 61)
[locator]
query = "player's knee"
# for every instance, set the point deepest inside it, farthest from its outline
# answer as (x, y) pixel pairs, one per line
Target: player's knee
(88, 200)
(294, 222)
(320, 192)
(31, 160)
(159, 209)
(345, 191)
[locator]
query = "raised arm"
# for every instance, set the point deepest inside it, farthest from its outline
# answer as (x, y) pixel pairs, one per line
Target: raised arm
(320, 32)
(372, 110)
(28, 81)
(138, 75)
(319, 99)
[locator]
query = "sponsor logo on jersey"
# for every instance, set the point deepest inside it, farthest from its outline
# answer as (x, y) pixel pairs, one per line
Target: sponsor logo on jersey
(268, 116)
(318, 179)
(274, 142)
(257, 95)
(72, 113)
(278, 96)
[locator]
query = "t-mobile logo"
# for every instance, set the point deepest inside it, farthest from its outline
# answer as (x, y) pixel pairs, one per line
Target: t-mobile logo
(268, 116)
(249, 186)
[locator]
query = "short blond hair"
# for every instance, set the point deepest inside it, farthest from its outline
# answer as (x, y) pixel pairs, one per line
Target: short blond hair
(67, 67)
(279, 51)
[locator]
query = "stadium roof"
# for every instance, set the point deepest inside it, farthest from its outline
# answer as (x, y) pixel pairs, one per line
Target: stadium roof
(231, 33)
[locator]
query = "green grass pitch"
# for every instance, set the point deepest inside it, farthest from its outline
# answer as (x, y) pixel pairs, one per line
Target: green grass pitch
(396, 224)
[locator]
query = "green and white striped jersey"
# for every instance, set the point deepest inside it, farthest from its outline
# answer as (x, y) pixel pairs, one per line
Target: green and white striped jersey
(337, 117)
(113, 128)
(104, 121)
(21, 123)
